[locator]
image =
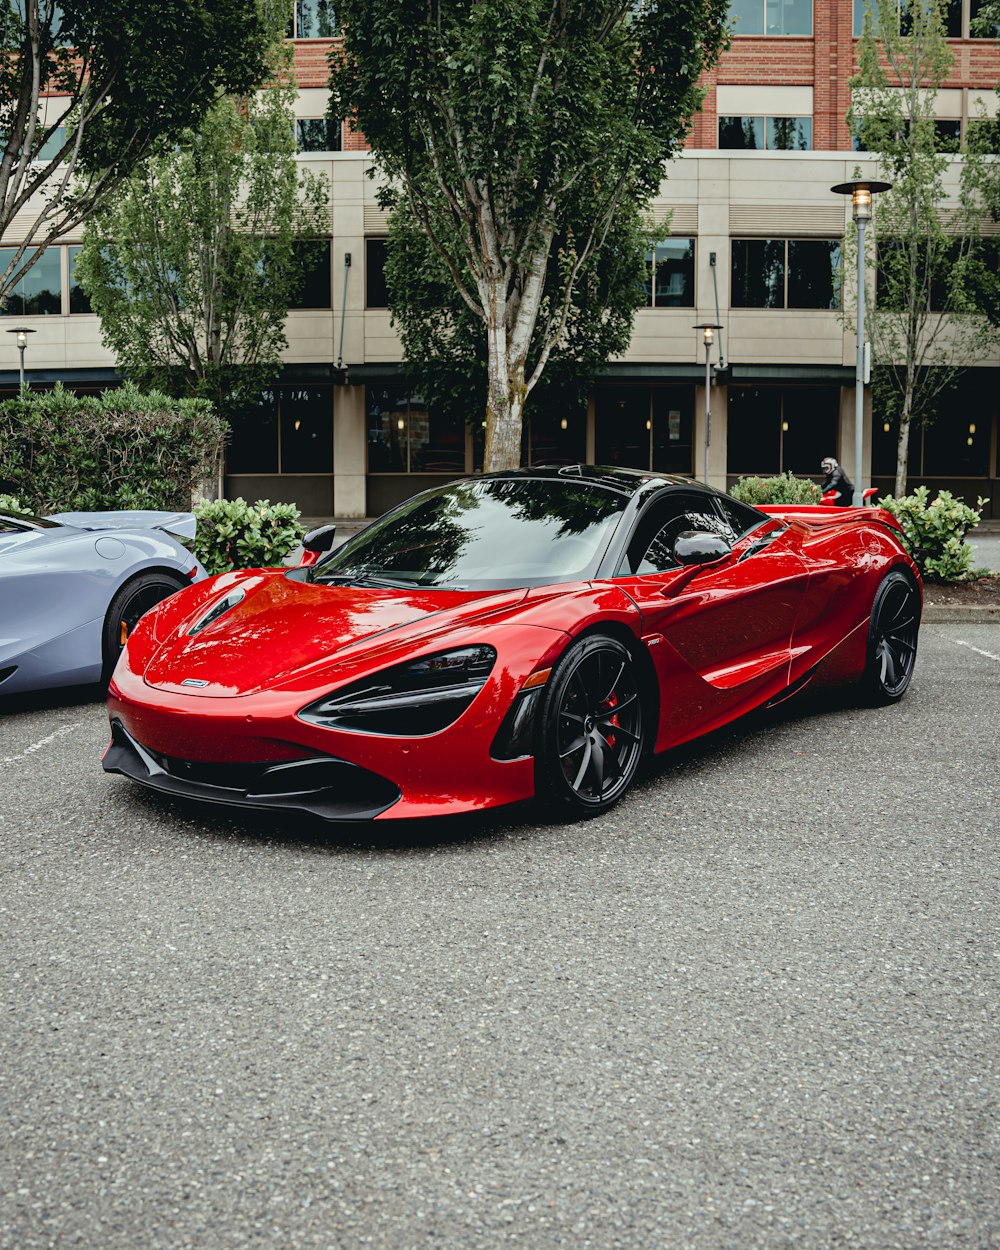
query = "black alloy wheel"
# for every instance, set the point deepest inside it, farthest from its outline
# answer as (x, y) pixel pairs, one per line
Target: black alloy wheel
(892, 638)
(133, 601)
(592, 730)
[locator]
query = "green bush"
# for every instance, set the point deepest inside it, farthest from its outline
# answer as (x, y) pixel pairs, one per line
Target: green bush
(11, 503)
(776, 490)
(120, 449)
(935, 532)
(233, 534)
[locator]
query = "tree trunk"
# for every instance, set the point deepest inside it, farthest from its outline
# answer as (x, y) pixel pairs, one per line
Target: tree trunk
(506, 395)
(903, 441)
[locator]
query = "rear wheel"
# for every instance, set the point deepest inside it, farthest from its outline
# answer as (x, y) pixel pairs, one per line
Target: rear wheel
(592, 731)
(892, 639)
(132, 602)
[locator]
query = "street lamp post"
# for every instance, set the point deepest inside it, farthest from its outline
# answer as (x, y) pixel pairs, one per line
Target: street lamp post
(861, 193)
(708, 329)
(22, 333)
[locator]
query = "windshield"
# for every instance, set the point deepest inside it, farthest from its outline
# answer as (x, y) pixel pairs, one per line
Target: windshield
(490, 533)
(18, 522)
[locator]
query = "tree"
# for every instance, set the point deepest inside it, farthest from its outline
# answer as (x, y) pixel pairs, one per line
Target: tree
(193, 267)
(129, 75)
(927, 324)
(513, 132)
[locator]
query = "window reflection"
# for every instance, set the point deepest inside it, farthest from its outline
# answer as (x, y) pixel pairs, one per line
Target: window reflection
(405, 436)
(315, 19)
(786, 273)
(670, 274)
(644, 427)
(39, 292)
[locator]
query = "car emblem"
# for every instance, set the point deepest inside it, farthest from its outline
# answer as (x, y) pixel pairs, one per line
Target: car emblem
(193, 681)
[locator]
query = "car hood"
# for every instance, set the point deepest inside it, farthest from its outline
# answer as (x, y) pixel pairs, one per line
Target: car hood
(284, 626)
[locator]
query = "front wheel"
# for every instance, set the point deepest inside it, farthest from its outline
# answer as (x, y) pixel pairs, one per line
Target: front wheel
(591, 728)
(131, 602)
(892, 639)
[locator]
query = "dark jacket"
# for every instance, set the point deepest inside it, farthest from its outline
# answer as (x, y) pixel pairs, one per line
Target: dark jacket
(838, 480)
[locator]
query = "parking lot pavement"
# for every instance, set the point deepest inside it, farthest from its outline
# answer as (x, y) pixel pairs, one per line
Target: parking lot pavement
(752, 1007)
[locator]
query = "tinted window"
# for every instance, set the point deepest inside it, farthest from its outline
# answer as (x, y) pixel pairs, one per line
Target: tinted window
(491, 533)
(651, 548)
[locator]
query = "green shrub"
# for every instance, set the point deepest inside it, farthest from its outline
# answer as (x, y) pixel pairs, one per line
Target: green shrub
(233, 534)
(120, 449)
(11, 503)
(776, 490)
(935, 532)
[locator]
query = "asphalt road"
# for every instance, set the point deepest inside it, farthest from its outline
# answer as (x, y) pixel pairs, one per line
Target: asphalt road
(754, 1007)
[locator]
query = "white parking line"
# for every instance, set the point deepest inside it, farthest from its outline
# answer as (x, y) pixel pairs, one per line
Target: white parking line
(978, 650)
(41, 743)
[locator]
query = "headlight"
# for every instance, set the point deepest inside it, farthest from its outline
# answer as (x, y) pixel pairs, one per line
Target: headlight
(411, 700)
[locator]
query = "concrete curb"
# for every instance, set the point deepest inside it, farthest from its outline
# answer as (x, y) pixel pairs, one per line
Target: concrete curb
(962, 613)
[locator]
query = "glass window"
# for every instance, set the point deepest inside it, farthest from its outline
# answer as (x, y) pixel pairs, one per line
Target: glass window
(253, 445)
(314, 259)
(781, 429)
(789, 134)
(651, 548)
(52, 144)
(306, 423)
(785, 273)
(405, 436)
(318, 134)
(813, 273)
(79, 300)
(315, 19)
(40, 290)
(670, 274)
(777, 134)
(376, 293)
(644, 427)
(557, 435)
(978, 30)
(771, 17)
(758, 273)
(741, 133)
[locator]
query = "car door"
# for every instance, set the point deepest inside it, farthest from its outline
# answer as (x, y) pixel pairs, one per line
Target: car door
(720, 633)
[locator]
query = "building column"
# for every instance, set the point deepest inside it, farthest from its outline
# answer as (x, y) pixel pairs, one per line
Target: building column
(349, 451)
(716, 475)
(860, 476)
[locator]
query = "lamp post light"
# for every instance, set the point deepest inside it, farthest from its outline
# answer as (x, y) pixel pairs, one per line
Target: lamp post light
(861, 193)
(708, 329)
(22, 333)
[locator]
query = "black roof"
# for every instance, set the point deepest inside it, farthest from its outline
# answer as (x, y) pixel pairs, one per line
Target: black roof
(612, 476)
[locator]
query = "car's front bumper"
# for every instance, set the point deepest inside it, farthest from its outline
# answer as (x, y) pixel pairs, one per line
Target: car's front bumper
(321, 785)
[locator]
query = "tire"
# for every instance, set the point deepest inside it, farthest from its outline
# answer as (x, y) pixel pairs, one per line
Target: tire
(591, 728)
(131, 602)
(892, 639)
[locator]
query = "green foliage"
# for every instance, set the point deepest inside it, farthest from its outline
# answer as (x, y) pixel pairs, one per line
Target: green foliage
(11, 503)
(136, 76)
(776, 490)
(121, 449)
(192, 269)
(518, 131)
(935, 532)
(234, 534)
(933, 266)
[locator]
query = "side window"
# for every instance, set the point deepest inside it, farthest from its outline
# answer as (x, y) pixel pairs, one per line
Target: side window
(739, 516)
(651, 548)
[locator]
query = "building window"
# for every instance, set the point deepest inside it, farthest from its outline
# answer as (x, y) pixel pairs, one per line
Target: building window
(376, 292)
(771, 17)
(953, 442)
(314, 19)
(314, 259)
(670, 274)
(947, 135)
(318, 134)
(79, 300)
(976, 30)
(39, 292)
(786, 273)
(775, 134)
(644, 427)
(956, 14)
(288, 430)
(781, 429)
(405, 436)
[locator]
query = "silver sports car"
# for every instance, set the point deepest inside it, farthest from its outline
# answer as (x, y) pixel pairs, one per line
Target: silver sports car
(73, 585)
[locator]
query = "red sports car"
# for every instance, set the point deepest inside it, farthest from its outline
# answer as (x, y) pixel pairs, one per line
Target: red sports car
(503, 637)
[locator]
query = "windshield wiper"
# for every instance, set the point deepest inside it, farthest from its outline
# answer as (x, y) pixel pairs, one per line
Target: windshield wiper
(364, 579)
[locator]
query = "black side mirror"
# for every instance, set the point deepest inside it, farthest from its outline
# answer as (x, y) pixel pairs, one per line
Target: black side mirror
(320, 540)
(699, 547)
